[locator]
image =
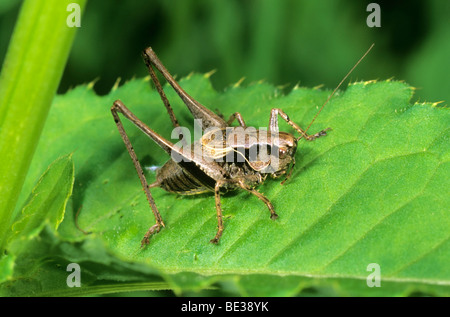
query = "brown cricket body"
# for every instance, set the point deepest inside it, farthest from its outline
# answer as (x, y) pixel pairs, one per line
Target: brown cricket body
(225, 158)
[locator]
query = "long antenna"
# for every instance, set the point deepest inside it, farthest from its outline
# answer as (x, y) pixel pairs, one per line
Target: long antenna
(342, 81)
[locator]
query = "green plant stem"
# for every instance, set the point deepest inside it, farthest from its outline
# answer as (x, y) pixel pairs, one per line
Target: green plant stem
(31, 72)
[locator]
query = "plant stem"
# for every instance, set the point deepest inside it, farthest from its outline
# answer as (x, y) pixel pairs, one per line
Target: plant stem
(30, 76)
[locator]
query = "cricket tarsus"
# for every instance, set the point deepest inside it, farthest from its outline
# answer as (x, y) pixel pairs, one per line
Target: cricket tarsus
(152, 230)
(193, 174)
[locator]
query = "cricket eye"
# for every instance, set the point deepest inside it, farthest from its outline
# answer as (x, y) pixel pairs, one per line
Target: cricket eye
(282, 152)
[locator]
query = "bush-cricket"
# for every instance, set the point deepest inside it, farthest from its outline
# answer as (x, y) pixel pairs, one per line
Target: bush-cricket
(225, 158)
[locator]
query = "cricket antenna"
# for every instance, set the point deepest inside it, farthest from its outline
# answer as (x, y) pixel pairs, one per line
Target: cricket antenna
(342, 81)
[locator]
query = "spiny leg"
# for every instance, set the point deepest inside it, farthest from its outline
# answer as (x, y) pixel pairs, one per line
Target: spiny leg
(117, 107)
(273, 125)
(237, 116)
(241, 183)
(161, 93)
(288, 175)
(209, 118)
(216, 239)
(163, 96)
(264, 199)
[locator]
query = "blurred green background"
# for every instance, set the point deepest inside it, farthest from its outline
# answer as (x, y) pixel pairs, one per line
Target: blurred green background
(284, 42)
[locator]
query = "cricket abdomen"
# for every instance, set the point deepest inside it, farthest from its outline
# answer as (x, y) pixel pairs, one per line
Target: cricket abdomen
(173, 178)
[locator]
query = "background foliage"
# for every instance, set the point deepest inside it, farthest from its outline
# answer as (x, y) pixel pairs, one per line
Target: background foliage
(283, 42)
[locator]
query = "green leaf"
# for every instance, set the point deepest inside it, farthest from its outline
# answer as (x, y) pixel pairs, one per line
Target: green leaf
(45, 207)
(29, 78)
(43, 270)
(374, 190)
(6, 267)
(37, 259)
(46, 204)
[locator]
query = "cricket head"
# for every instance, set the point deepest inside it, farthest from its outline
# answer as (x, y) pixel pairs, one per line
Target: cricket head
(287, 146)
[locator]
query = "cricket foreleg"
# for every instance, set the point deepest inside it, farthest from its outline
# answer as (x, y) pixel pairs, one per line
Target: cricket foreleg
(159, 222)
(264, 199)
(241, 184)
(273, 125)
(237, 116)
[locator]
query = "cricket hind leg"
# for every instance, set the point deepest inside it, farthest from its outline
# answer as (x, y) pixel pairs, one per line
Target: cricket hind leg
(119, 107)
(115, 109)
(162, 94)
(208, 118)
